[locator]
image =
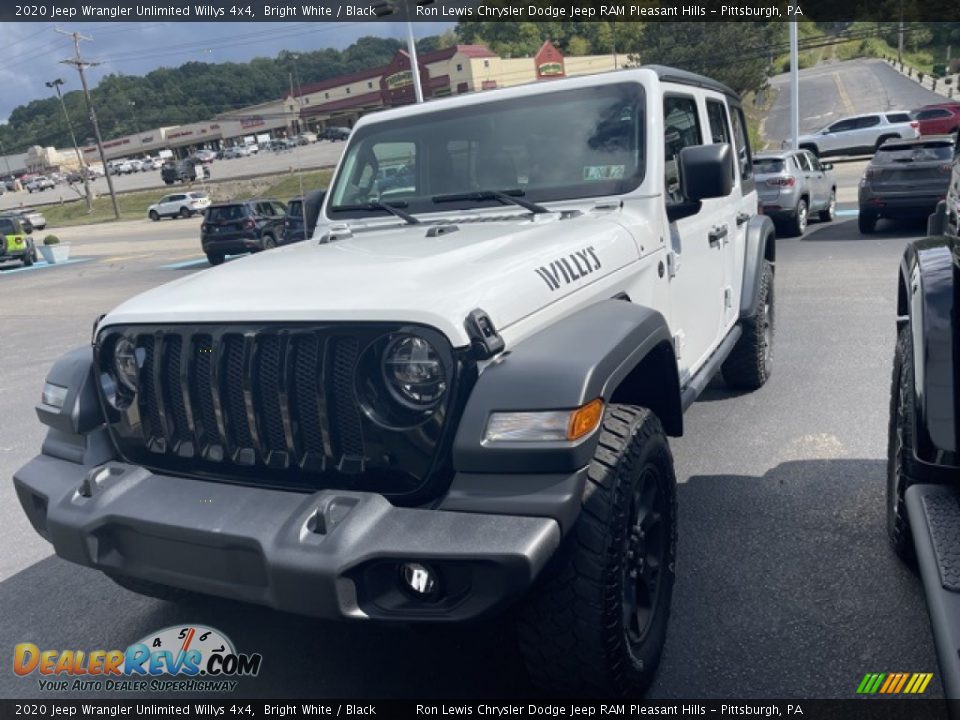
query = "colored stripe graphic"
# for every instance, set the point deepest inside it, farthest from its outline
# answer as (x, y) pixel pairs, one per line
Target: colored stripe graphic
(894, 683)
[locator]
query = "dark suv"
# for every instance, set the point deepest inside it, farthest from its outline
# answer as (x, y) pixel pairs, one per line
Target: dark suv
(302, 216)
(232, 228)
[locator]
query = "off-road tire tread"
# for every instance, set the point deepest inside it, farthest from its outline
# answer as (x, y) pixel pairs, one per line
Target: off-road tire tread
(569, 629)
(901, 414)
(745, 367)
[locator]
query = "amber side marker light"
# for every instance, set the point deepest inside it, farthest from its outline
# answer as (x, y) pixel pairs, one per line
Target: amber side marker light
(585, 419)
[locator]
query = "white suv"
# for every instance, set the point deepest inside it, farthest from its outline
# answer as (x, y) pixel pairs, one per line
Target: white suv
(456, 398)
(860, 134)
(184, 205)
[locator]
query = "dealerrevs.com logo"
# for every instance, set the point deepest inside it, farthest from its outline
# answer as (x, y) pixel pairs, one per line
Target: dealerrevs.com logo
(192, 658)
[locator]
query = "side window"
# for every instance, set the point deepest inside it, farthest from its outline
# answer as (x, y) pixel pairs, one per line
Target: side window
(868, 121)
(397, 166)
(842, 126)
(265, 209)
(163, 200)
(803, 161)
(279, 208)
(930, 114)
(681, 128)
(7, 228)
(717, 115)
(814, 163)
(742, 143)
(898, 117)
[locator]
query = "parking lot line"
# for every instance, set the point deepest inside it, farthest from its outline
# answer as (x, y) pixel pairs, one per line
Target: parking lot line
(116, 258)
(42, 265)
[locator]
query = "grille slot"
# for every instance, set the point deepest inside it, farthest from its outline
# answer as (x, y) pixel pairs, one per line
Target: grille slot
(285, 400)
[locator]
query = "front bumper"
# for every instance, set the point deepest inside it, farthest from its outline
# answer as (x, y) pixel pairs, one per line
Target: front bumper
(331, 554)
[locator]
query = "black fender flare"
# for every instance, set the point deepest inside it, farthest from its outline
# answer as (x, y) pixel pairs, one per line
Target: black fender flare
(614, 349)
(927, 303)
(761, 244)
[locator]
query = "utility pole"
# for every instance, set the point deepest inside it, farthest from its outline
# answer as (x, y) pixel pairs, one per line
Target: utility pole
(900, 36)
(78, 63)
(55, 84)
(794, 88)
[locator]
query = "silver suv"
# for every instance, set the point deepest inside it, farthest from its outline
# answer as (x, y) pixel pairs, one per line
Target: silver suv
(791, 185)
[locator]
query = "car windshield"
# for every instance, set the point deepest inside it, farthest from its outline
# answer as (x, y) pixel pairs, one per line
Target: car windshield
(585, 142)
(766, 166)
(922, 152)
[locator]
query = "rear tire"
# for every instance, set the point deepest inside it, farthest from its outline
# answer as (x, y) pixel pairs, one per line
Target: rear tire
(900, 445)
(797, 223)
(867, 222)
(596, 624)
(28, 258)
(750, 363)
(214, 258)
(830, 212)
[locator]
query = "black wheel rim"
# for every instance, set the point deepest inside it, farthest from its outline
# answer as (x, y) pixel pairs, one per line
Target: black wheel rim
(643, 556)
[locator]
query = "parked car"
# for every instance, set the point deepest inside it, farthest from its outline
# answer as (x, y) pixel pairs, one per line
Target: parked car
(32, 219)
(179, 205)
(237, 151)
(148, 164)
(306, 138)
(205, 156)
(905, 178)
(301, 218)
(939, 119)
(74, 176)
(335, 133)
(39, 183)
(240, 227)
(458, 404)
(793, 184)
(923, 464)
(860, 134)
(15, 242)
(183, 171)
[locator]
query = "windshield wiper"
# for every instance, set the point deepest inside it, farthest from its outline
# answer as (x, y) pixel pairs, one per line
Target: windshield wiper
(508, 197)
(393, 209)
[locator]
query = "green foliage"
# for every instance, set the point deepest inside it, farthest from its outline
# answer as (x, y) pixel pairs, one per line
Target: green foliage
(192, 92)
(521, 39)
(51, 240)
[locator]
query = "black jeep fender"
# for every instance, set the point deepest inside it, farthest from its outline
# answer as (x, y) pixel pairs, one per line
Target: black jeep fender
(761, 245)
(615, 350)
(927, 303)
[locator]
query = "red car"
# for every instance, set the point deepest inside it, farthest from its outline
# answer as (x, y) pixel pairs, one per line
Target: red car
(939, 119)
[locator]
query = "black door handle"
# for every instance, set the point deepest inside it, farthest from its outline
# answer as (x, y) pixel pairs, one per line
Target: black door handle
(716, 235)
(742, 218)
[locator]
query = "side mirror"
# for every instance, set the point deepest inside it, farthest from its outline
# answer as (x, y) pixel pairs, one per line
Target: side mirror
(826, 166)
(706, 171)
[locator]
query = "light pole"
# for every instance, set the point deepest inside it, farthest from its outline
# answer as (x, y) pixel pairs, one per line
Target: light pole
(794, 88)
(133, 111)
(55, 84)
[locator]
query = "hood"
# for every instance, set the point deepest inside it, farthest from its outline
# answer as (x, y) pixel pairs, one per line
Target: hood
(509, 267)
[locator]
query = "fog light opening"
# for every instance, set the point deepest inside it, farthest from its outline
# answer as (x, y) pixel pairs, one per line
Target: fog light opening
(420, 580)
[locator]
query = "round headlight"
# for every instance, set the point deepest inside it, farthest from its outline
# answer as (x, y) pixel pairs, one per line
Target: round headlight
(413, 372)
(125, 363)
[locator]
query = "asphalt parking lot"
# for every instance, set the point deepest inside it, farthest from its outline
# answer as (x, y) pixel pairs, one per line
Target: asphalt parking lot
(786, 586)
(323, 153)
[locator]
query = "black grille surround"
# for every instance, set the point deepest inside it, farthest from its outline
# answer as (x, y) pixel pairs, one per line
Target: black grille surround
(279, 404)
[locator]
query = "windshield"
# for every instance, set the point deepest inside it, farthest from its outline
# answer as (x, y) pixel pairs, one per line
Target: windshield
(766, 166)
(913, 153)
(586, 142)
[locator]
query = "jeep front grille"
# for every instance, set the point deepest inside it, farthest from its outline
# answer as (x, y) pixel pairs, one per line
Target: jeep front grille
(273, 404)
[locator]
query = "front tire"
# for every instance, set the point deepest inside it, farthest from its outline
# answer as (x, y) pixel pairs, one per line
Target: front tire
(154, 215)
(215, 258)
(596, 625)
(900, 444)
(750, 363)
(269, 242)
(867, 221)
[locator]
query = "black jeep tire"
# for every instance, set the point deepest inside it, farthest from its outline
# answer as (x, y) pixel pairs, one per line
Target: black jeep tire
(154, 215)
(27, 258)
(596, 622)
(867, 222)
(152, 589)
(269, 242)
(215, 258)
(797, 222)
(830, 211)
(900, 448)
(750, 363)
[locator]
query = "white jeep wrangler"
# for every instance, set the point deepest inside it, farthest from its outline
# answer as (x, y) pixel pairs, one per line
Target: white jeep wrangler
(456, 396)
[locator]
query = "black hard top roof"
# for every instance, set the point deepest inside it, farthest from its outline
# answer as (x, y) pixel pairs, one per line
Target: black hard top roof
(684, 77)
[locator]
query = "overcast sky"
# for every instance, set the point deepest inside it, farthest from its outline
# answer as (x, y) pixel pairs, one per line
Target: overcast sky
(32, 51)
